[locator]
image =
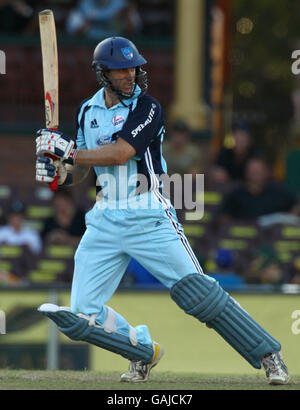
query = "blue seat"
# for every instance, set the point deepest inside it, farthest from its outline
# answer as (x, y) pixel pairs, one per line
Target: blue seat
(228, 280)
(141, 275)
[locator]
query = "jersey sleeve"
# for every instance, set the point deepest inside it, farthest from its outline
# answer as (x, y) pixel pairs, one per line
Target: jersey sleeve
(142, 124)
(80, 140)
(80, 116)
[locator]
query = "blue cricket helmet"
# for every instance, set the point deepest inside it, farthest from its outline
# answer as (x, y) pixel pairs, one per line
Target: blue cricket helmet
(116, 53)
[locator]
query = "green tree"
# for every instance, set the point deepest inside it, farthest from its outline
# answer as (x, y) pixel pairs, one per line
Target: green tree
(265, 32)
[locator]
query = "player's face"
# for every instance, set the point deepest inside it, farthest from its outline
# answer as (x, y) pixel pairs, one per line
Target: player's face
(122, 79)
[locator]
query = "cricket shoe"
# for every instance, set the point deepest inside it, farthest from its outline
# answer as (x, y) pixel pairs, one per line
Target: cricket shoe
(275, 368)
(138, 371)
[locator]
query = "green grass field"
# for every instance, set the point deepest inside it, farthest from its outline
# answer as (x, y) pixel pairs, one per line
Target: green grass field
(190, 347)
(195, 356)
(91, 380)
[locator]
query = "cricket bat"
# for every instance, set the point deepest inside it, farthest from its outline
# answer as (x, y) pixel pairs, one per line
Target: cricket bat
(50, 73)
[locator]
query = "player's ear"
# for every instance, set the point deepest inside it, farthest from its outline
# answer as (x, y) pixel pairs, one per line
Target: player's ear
(106, 73)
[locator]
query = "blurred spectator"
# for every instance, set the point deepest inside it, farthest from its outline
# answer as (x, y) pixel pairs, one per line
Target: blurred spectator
(15, 233)
(295, 279)
(67, 225)
(60, 8)
(264, 267)
(281, 218)
(14, 15)
(158, 17)
(230, 162)
(258, 195)
(181, 154)
(97, 19)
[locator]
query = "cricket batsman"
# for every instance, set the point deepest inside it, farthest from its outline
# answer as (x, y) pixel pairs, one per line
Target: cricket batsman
(121, 128)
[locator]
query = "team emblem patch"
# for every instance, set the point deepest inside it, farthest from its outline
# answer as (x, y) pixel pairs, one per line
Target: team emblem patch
(127, 52)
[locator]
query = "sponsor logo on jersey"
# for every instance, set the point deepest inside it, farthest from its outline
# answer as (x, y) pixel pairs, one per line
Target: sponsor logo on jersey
(94, 123)
(103, 140)
(149, 119)
(117, 120)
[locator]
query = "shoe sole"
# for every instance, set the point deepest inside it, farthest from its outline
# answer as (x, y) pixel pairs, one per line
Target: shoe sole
(277, 382)
(159, 356)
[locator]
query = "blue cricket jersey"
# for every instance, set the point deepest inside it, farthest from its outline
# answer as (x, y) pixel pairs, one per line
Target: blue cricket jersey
(141, 123)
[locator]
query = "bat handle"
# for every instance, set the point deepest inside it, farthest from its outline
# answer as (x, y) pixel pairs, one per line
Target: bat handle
(52, 185)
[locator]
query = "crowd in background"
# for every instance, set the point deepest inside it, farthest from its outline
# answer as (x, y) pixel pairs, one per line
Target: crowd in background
(250, 199)
(242, 191)
(89, 18)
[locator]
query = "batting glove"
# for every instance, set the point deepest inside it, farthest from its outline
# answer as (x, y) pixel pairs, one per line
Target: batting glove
(47, 170)
(57, 144)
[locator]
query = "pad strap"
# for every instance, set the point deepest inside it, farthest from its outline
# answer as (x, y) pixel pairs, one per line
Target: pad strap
(82, 327)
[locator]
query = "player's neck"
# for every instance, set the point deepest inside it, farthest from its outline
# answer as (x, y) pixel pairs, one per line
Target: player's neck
(111, 98)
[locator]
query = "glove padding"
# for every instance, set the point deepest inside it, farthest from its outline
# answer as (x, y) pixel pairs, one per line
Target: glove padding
(47, 170)
(55, 143)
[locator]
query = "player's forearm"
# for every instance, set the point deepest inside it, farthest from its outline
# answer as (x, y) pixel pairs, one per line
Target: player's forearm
(62, 147)
(106, 155)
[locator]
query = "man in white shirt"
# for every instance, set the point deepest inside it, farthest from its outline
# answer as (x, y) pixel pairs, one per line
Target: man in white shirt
(15, 233)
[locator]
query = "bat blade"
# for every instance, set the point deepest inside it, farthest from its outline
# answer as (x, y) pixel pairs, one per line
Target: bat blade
(50, 66)
(50, 71)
